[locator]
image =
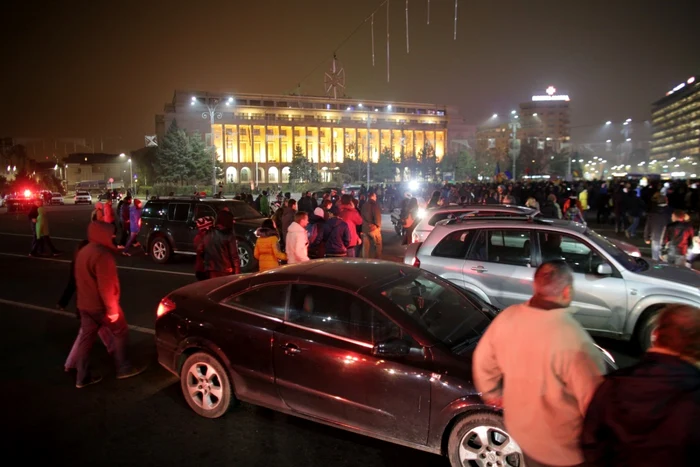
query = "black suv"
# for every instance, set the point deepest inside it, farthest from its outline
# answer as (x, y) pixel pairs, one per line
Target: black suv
(168, 226)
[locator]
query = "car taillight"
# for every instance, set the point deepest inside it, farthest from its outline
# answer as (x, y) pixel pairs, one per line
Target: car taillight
(165, 306)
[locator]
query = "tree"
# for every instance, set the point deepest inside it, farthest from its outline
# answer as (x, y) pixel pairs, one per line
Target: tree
(171, 160)
(428, 162)
(302, 170)
(385, 168)
(145, 161)
(461, 164)
(200, 159)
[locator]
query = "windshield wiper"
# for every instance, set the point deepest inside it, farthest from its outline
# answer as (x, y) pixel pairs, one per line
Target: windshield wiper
(466, 343)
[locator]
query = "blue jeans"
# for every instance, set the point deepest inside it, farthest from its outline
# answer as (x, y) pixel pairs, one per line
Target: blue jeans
(632, 229)
(132, 238)
(655, 250)
(90, 323)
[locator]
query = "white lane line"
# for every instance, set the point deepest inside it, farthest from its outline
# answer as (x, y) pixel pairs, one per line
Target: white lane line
(12, 234)
(130, 268)
(67, 314)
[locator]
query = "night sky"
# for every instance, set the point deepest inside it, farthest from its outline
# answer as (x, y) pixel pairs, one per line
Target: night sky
(99, 68)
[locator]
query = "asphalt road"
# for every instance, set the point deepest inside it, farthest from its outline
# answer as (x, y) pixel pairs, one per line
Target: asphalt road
(144, 420)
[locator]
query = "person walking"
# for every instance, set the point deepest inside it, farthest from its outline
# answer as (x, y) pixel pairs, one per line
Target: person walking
(678, 237)
(97, 288)
(658, 219)
(98, 213)
(372, 228)
(545, 393)
(267, 250)
(297, 242)
(134, 226)
(204, 225)
(42, 233)
(219, 248)
(647, 415)
(32, 216)
(124, 215)
(264, 204)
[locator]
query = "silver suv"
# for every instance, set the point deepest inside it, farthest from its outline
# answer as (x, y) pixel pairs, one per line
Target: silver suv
(430, 217)
(616, 295)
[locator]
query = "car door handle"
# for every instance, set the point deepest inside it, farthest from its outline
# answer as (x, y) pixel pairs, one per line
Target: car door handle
(479, 269)
(291, 349)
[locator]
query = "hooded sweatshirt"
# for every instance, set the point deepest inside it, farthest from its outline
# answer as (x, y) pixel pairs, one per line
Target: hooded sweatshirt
(352, 216)
(42, 223)
(645, 415)
(297, 244)
(545, 383)
(96, 277)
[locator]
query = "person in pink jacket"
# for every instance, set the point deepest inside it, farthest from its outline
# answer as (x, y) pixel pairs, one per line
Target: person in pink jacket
(352, 217)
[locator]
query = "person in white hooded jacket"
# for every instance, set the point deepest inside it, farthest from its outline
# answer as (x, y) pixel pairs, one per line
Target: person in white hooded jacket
(297, 241)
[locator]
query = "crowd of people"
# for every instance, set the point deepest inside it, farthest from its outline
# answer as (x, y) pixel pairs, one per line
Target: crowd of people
(557, 401)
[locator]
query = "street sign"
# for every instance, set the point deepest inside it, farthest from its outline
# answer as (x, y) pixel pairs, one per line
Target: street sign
(151, 141)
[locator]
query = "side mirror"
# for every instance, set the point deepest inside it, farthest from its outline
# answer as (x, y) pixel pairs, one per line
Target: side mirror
(391, 348)
(604, 270)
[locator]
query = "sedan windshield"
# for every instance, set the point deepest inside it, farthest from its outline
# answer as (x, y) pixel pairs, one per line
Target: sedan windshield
(628, 262)
(438, 308)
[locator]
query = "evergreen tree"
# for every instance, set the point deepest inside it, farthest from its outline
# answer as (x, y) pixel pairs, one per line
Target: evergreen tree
(172, 154)
(385, 168)
(201, 163)
(302, 170)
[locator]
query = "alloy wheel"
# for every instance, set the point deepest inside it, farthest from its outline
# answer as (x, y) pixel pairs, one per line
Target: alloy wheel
(489, 446)
(204, 386)
(244, 256)
(159, 250)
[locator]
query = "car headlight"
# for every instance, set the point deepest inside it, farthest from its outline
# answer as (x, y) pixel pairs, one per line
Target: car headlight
(636, 254)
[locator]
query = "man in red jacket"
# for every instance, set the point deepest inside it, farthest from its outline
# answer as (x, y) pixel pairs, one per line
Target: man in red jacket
(97, 286)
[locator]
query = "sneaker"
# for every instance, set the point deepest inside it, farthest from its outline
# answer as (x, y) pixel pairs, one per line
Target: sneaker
(120, 247)
(131, 372)
(126, 253)
(91, 380)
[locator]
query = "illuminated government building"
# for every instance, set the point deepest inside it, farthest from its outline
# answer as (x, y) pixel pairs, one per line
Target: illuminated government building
(676, 122)
(256, 135)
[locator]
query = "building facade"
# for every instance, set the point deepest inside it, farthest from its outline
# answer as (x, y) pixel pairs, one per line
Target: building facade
(676, 123)
(256, 136)
(98, 167)
(544, 123)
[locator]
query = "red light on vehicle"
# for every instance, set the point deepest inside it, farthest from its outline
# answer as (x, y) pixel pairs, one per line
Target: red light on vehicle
(27, 193)
(165, 306)
(416, 262)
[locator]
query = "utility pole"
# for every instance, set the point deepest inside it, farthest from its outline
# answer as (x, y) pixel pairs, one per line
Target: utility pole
(212, 104)
(369, 152)
(514, 125)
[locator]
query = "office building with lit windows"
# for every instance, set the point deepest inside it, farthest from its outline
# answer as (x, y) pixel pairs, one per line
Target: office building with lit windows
(676, 122)
(256, 135)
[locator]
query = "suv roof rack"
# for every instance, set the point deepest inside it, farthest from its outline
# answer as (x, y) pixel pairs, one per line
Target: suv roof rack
(525, 217)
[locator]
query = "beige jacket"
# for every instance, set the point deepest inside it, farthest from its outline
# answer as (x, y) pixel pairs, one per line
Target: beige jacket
(546, 368)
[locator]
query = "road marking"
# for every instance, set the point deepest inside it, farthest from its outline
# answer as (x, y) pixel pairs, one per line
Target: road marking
(12, 234)
(67, 314)
(130, 268)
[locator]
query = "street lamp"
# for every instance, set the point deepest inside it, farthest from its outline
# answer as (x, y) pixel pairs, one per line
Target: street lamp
(122, 155)
(131, 175)
(212, 104)
(608, 122)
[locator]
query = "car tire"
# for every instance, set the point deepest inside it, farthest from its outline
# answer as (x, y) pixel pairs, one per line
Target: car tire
(206, 385)
(480, 438)
(645, 328)
(160, 250)
(245, 253)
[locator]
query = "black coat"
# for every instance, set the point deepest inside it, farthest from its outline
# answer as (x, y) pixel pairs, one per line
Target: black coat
(657, 221)
(645, 415)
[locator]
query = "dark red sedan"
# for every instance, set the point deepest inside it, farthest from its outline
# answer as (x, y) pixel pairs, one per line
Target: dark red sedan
(373, 347)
